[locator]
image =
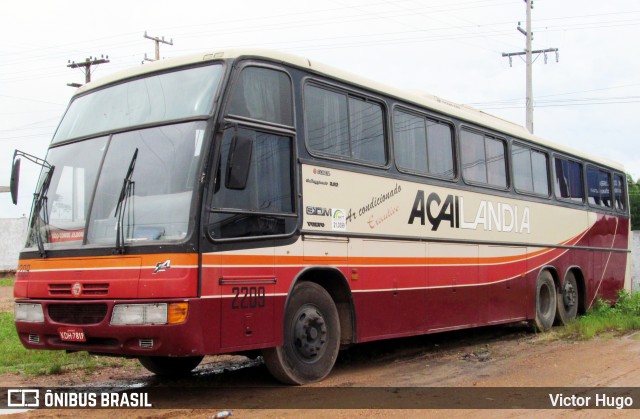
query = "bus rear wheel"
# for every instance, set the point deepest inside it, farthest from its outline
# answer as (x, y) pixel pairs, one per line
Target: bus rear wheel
(311, 337)
(545, 302)
(567, 300)
(170, 366)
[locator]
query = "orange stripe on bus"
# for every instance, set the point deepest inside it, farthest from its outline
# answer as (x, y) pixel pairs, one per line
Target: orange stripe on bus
(101, 262)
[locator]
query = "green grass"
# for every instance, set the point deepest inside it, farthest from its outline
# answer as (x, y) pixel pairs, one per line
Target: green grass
(14, 358)
(7, 280)
(603, 318)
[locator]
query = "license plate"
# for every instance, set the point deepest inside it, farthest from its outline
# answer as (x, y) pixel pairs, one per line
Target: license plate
(71, 334)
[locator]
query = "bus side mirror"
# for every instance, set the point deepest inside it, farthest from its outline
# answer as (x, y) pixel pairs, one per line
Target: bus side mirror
(15, 180)
(239, 162)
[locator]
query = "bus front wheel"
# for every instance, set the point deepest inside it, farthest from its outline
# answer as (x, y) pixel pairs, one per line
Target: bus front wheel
(170, 366)
(545, 302)
(311, 337)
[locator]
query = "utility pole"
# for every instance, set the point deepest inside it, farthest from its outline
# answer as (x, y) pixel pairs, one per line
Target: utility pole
(157, 42)
(86, 64)
(528, 53)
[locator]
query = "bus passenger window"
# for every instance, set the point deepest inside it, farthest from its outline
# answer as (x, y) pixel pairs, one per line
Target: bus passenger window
(327, 125)
(483, 159)
(540, 169)
(618, 190)
(598, 182)
(340, 125)
(569, 184)
(367, 131)
(410, 142)
(422, 145)
(440, 149)
(263, 94)
(604, 183)
(529, 170)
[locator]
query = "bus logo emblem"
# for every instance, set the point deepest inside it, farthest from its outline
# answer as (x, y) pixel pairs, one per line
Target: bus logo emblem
(76, 289)
(162, 266)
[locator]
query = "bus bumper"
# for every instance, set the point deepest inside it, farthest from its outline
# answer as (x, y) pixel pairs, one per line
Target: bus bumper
(86, 326)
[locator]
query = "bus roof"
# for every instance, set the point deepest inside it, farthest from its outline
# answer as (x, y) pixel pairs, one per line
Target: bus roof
(462, 112)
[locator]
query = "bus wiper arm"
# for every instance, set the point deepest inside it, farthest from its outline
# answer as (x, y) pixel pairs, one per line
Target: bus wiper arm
(126, 191)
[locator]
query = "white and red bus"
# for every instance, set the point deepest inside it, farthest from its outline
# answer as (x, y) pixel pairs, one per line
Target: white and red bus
(247, 200)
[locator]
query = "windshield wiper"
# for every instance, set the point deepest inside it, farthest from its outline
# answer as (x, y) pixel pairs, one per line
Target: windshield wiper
(128, 187)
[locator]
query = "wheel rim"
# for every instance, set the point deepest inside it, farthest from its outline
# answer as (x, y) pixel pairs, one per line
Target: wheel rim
(569, 295)
(309, 333)
(545, 300)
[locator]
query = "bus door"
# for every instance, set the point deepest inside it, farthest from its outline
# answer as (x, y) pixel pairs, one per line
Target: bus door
(253, 200)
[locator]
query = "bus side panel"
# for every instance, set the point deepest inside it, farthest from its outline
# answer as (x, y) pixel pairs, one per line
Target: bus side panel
(454, 298)
(618, 261)
(388, 287)
(504, 273)
(602, 236)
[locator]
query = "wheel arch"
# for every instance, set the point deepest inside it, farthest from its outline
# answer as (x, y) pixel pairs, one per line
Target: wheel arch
(554, 274)
(334, 282)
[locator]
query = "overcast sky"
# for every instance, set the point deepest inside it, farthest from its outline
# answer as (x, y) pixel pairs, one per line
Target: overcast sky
(589, 100)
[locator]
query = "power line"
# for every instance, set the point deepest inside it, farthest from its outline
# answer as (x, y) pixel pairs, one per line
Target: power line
(38, 135)
(565, 105)
(31, 100)
(517, 100)
(337, 44)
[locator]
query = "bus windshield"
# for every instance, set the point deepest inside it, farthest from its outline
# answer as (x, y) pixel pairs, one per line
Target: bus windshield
(159, 192)
(96, 193)
(163, 97)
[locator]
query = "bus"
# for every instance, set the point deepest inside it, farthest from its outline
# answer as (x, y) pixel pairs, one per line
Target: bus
(256, 202)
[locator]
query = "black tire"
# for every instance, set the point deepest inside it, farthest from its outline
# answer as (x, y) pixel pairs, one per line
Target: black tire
(567, 300)
(545, 302)
(311, 337)
(168, 366)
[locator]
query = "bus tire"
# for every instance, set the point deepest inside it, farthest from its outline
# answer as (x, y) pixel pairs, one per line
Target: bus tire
(311, 337)
(545, 302)
(169, 366)
(567, 300)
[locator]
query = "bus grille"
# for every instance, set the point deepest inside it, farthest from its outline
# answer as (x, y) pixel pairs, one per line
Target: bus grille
(77, 313)
(87, 289)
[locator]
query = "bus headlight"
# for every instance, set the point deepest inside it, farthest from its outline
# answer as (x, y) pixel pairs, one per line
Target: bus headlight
(157, 313)
(25, 312)
(137, 314)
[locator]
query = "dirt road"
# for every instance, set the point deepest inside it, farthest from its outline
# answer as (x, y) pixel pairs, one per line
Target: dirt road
(509, 357)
